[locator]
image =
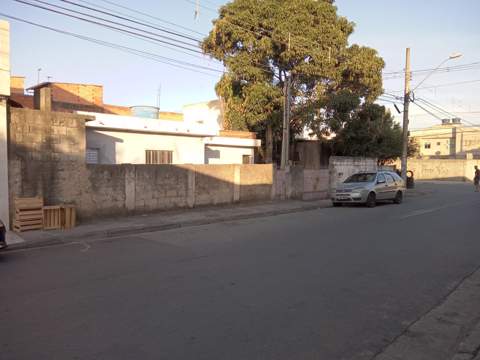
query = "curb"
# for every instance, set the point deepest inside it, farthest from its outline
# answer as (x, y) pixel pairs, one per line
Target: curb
(117, 232)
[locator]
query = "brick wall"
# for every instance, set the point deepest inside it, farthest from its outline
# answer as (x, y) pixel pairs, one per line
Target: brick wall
(17, 84)
(83, 94)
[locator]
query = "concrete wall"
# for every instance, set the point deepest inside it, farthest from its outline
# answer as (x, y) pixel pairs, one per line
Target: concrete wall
(442, 169)
(254, 182)
(121, 147)
(46, 154)
(341, 167)
(311, 154)
(299, 183)
(47, 158)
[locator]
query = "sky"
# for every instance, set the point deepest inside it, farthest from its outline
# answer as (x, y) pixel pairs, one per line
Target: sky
(433, 29)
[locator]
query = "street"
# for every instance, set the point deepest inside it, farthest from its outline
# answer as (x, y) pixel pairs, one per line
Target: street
(333, 283)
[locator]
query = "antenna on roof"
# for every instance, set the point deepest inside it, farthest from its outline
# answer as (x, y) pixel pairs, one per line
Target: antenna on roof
(159, 95)
(39, 70)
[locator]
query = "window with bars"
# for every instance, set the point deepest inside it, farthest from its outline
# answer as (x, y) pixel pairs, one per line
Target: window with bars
(91, 156)
(158, 156)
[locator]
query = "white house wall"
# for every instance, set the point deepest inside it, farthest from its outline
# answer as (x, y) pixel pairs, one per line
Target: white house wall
(226, 154)
(118, 147)
(207, 114)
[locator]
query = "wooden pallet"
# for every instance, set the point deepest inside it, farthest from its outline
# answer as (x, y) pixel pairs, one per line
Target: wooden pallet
(28, 214)
(52, 217)
(68, 216)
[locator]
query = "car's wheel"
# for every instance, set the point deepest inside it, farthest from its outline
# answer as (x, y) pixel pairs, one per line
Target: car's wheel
(371, 200)
(398, 198)
(337, 204)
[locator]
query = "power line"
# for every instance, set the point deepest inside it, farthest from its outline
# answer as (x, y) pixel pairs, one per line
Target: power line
(439, 109)
(433, 106)
(109, 26)
(427, 111)
(147, 15)
(135, 34)
(202, 6)
(444, 69)
(466, 67)
(449, 84)
(152, 56)
(106, 20)
(132, 21)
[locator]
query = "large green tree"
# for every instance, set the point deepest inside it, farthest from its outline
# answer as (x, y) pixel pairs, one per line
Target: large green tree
(369, 131)
(261, 42)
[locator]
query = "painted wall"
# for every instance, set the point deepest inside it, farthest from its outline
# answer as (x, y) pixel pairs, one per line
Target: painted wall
(121, 147)
(442, 169)
(227, 155)
(206, 114)
(4, 92)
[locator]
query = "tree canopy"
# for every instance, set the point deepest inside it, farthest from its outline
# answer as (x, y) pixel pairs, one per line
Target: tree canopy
(261, 42)
(370, 131)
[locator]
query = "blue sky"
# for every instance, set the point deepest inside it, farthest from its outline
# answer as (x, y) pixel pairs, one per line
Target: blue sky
(431, 28)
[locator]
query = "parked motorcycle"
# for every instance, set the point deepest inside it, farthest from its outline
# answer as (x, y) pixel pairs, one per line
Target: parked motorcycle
(3, 231)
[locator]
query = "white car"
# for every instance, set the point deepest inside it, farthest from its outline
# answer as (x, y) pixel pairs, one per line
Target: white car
(370, 187)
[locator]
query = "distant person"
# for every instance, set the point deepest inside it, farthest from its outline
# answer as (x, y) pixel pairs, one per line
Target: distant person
(476, 179)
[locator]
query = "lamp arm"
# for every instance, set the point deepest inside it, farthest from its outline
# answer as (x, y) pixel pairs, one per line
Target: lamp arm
(430, 73)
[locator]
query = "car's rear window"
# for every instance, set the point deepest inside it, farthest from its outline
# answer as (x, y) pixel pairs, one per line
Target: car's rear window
(364, 177)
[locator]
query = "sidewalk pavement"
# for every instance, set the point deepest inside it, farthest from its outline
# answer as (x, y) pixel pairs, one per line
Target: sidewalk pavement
(449, 331)
(113, 227)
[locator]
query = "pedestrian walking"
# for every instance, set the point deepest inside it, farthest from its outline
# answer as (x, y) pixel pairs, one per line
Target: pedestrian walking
(476, 179)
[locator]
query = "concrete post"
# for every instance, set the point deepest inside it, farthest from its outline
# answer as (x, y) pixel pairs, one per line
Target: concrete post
(4, 94)
(273, 193)
(191, 187)
(236, 183)
(130, 188)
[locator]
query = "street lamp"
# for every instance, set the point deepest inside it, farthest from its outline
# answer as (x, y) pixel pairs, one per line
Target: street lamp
(406, 103)
(451, 57)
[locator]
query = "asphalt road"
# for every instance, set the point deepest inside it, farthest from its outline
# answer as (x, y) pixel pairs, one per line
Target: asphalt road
(336, 283)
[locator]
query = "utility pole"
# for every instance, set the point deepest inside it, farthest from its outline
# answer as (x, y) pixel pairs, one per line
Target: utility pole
(406, 104)
(286, 124)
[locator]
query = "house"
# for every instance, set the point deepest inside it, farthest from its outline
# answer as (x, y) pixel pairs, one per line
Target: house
(142, 134)
(451, 139)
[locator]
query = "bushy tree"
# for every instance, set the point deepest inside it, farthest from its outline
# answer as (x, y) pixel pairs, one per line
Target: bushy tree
(369, 131)
(261, 42)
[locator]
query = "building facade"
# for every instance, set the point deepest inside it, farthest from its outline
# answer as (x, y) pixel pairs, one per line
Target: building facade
(452, 139)
(141, 135)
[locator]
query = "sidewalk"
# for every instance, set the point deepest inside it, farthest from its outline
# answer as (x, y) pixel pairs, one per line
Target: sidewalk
(449, 331)
(113, 227)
